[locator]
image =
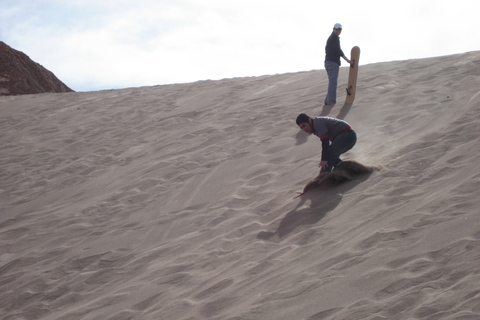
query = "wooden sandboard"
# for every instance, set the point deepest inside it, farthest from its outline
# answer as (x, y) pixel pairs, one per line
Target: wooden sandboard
(352, 75)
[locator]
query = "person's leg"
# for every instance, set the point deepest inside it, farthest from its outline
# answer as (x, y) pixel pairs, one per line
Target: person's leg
(341, 144)
(332, 69)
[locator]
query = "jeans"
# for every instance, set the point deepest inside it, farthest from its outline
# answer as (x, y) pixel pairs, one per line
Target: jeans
(341, 144)
(332, 69)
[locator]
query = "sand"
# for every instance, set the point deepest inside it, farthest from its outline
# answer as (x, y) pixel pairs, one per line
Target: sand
(177, 201)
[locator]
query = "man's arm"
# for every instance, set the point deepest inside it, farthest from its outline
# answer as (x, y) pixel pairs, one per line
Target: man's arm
(325, 145)
(346, 59)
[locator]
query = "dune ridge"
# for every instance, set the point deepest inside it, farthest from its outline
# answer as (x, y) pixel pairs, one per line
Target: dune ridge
(176, 201)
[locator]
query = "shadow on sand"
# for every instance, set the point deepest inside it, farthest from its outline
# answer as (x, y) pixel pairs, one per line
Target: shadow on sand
(326, 110)
(341, 115)
(344, 111)
(324, 193)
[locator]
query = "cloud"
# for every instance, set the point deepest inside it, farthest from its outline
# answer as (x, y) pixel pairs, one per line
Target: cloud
(92, 45)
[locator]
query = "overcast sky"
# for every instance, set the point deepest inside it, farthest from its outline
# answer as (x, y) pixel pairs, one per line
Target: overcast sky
(109, 44)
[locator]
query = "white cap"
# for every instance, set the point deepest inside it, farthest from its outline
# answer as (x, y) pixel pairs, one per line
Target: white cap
(337, 26)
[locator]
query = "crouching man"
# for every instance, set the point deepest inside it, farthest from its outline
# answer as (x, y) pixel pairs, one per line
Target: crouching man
(337, 137)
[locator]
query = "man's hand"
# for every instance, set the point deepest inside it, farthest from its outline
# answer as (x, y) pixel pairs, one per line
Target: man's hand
(323, 164)
(351, 62)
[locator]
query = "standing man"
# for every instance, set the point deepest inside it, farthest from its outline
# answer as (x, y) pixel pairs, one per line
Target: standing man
(338, 132)
(333, 52)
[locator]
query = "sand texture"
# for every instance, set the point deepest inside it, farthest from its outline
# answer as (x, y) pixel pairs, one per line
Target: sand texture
(177, 201)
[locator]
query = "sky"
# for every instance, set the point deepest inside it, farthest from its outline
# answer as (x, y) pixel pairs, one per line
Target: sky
(95, 45)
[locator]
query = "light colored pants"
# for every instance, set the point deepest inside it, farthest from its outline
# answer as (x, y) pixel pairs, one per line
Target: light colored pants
(332, 69)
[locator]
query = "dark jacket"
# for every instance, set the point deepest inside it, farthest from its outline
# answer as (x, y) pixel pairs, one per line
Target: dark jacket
(333, 52)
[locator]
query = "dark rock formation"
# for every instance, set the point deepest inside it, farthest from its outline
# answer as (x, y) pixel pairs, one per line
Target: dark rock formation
(20, 75)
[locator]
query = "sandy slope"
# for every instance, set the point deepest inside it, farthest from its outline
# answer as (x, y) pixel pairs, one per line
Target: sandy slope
(176, 202)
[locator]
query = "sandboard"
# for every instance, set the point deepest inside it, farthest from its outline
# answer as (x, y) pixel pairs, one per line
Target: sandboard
(352, 75)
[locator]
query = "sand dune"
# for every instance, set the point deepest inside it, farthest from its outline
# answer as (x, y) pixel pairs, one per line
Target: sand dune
(176, 202)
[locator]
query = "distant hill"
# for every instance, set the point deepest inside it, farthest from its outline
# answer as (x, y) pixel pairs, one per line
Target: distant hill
(21, 75)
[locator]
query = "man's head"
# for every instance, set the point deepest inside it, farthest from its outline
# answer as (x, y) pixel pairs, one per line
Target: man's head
(304, 122)
(337, 28)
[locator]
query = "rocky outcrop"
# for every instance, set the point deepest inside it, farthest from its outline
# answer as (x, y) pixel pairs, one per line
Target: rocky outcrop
(21, 75)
